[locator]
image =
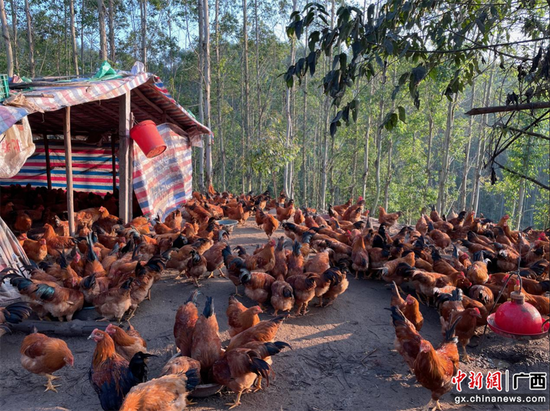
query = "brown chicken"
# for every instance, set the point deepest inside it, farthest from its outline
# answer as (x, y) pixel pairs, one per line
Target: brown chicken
(338, 284)
(184, 326)
(238, 369)
(207, 346)
(387, 218)
(465, 322)
(54, 242)
(303, 286)
(407, 339)
(214, 258)
(269, 223)
(299, 217)
(241, 318)
(281, 266)
(264, 331)
(264, 260)
(318, 264)
(282, 296)
(115, 302)
(284, 213)
(127, 343)
(23, 222)
(44, 355)
(478, 273)
(35, 250)
(409, 306)
(440, 239)
(168, 393)
(359, 257)
(295, 260)
(179, 364)
(196, 267)
(434, 369)
(353, 213)
(257, 286)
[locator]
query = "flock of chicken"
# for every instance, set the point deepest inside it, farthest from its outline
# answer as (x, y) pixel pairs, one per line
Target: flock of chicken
(113, 266)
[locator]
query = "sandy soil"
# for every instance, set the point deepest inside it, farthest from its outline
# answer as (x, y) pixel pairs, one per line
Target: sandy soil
(342, 357)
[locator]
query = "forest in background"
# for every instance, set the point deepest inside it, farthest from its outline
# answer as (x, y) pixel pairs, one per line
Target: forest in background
(226, 62)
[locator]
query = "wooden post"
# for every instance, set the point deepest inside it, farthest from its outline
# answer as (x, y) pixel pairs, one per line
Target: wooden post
(125, 158)
(113, 158)
(69, 168)
(48, 167)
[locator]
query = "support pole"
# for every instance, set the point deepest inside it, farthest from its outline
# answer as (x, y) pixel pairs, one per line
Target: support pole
(125, 158)
(113, 158)
(69, 168)
(48, 167)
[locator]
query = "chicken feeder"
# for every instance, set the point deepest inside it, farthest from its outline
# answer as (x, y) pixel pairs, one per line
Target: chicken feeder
(147, 137)
(518, 319)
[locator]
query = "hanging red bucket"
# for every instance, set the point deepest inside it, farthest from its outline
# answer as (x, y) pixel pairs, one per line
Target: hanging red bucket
(147, 137)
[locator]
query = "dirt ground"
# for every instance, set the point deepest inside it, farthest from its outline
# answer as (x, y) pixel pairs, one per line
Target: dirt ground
(342, 357)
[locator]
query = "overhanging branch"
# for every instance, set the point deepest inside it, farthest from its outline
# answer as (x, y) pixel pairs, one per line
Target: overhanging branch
(518, 130)
(522, 176)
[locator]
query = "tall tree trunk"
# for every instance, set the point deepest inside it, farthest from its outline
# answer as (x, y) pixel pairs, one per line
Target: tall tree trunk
(324, 165)
(102, 34)
(112, 12)
(367, 139)
(429, 155)
(30, 39)
(462, 203)
(377, 163)
(143, 4)
(207, 82)
(246, 94)
(523, 183)
(219, 97)
(73, 38)
(201, 91)
(445, 162)
(389, 175)
(82, 11)
(7, 40)
(481, 144)
(304, 135)
(14, 28)
(288, 104)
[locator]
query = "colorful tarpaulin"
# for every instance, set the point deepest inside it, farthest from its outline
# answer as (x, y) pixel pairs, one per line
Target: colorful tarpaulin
(164, 182)
(92, 168)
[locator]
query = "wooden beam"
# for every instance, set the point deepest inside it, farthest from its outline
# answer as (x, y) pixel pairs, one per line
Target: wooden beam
(164, 116)
(511, 107)
(113, 158)
(48, 167)
(125, 159)
(69, 168)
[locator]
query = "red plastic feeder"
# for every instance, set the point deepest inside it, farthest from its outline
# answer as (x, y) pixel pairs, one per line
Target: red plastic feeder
(518, 319)
(147, 137)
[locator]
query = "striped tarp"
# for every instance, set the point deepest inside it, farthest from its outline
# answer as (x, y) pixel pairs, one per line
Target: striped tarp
(92, 168)
(164, 182)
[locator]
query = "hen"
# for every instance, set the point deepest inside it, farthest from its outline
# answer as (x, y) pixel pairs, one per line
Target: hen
(409, 306)
(241, 318)
(168, 393)
(257, 286)
(304, 290)
(184, 326)
(407, 339)
(282, 296)
(264, 331)
(44, 355)
(127, 343)
(206, 346)
(111, 375)
(387, 218)
(238, 369)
